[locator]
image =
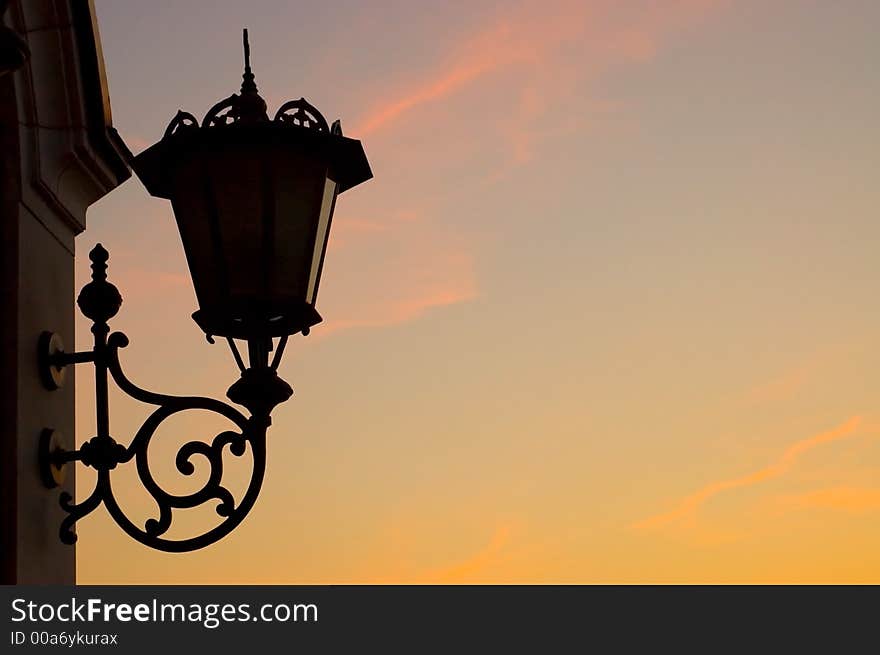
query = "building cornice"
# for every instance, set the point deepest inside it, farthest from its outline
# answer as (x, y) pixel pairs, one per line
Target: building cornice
(71, 155)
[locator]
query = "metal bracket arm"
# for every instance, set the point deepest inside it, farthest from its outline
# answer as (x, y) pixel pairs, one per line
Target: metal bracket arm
(259, 390)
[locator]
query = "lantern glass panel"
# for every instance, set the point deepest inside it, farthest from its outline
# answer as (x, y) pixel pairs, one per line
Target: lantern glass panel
(327, 203)
(191, 201)
(234, 182)
(299, 189)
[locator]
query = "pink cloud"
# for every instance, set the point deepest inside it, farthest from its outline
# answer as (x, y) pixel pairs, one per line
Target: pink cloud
(541, 53)
(489, 50)
(390, 270)
(402, 312)
(517, 80)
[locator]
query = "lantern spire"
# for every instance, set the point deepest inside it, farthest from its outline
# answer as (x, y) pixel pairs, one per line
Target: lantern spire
(251, 107)
(247, 84)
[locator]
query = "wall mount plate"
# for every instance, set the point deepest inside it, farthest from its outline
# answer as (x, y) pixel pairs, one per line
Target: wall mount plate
(52, 444)
(49, 347)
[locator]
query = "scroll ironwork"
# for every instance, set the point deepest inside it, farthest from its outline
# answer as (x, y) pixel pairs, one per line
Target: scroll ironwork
(259, 390)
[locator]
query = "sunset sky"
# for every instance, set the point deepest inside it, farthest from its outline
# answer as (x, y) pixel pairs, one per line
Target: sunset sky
(608, 311)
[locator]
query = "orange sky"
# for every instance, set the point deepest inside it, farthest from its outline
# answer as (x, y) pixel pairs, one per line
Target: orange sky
(607, 312)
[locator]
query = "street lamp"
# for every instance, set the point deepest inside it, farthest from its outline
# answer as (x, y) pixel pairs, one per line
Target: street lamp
(254, 200)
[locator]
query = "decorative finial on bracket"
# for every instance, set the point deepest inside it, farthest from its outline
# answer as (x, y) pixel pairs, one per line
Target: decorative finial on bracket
(99, 257)
(99, 300)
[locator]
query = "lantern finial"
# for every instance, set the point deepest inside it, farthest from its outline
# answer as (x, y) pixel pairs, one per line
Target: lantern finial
(247, 84)
(249, 106)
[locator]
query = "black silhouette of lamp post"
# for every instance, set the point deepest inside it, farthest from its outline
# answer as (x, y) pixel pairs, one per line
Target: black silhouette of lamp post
(254, 200)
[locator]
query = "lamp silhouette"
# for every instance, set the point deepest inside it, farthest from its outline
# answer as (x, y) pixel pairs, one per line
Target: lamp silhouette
(254, 200)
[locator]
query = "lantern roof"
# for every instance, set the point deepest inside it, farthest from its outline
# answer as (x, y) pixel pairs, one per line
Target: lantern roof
(242, 117)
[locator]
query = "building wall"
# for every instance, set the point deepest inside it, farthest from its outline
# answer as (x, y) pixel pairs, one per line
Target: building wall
(68, 156)
(9, 207)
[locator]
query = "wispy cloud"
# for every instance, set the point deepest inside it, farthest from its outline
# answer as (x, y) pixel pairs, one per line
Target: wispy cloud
(686, 509)
(841, 498)
(783, 387)
(413, 300)
(400, 312)
(505, 86)
(786, 384)
(550, 50)
(386, 271)
(354, 230)
(472, 567)
(487, 52)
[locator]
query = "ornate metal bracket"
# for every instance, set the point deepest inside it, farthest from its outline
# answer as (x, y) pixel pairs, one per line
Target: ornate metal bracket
(259, 390)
